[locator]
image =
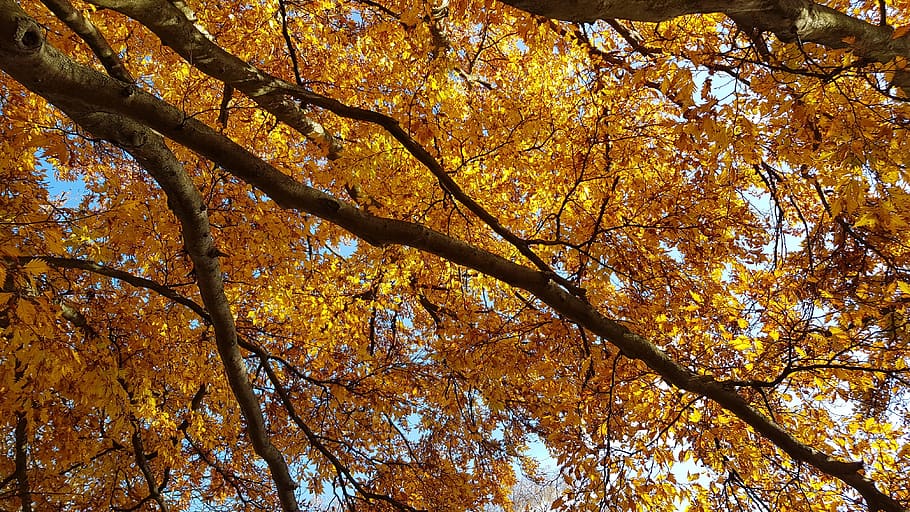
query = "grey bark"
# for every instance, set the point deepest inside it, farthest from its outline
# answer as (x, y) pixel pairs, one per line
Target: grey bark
(790, 20)
(149, 150)
(92, 37)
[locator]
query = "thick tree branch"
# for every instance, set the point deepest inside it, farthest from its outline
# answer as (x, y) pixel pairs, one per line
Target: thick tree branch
(790, 20)
(92, 37)
(44, 70)
(149, 150)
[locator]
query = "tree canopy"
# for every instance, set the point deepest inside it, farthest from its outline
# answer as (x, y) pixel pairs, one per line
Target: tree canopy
(325, 254)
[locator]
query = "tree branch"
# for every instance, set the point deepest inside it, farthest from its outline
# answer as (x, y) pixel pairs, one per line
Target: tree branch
(21, 455)
(142, 462)
(343, 472)
(79, 320)
(92, 37)
(150, 151)
(25, 38)
(790, 20)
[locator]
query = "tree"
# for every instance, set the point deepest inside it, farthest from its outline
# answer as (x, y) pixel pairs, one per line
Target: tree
(535, 494)
(362, 253)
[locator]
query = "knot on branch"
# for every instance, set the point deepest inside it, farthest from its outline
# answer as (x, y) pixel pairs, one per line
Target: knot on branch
(28, 36)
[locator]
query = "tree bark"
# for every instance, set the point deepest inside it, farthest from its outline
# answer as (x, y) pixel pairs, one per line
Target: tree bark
(21, 448)
(801, 21)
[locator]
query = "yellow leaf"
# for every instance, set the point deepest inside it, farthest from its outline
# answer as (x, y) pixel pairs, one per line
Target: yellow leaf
(865, 220)
(742, 343)
(25, 310)
(36, 267)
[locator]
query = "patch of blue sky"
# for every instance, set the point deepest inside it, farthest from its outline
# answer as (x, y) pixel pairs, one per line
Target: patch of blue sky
(64, 193)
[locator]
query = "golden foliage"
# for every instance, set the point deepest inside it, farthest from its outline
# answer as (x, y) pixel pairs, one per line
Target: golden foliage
(748, 215)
